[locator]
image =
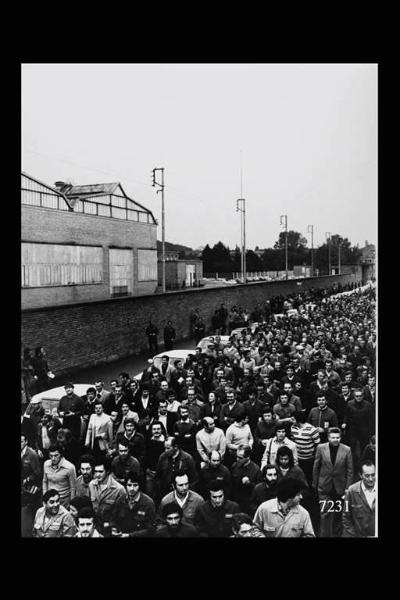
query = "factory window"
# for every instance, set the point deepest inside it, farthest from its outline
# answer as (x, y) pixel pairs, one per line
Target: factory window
(147, 265)
(59, 264)
(121, 272)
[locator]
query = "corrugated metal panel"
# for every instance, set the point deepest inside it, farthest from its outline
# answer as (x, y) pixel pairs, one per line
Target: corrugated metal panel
(147, 265)
(56, 264)
(121, 271)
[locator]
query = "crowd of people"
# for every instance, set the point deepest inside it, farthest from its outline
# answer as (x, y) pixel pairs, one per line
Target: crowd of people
(270, 433)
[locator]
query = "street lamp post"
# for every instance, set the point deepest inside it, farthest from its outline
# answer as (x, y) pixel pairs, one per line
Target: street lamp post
(339, 257)
(328, 237)
(310, 229)
(241, 207)
(284, 223)
(161, 186)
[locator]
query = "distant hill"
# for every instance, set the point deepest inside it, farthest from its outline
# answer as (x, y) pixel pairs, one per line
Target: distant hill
(183, 250)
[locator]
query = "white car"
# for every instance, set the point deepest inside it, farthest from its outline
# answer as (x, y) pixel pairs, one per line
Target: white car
(51, 398)
(210, 339)
(239, 330)
(173, 355)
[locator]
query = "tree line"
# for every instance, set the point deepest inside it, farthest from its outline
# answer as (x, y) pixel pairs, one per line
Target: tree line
(218, 259)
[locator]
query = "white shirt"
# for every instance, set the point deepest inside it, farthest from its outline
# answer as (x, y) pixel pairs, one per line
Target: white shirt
(369, 494)
(179, 501)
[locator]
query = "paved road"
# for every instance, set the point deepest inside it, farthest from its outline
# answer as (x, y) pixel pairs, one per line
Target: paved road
(131, 364)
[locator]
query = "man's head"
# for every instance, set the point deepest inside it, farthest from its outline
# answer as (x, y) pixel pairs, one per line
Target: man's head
(215, 459)
(172, 514)
(86, 467)
(267, 415)
(164, 360)
(156, 430)
(270, 475)
(124, 378)
(230, 396)
(51, 501)
(284, 398)
(162, 407)
(86, 521)
(24, 441)
(132, 484)
(102, 469)
(334, 436)
(358, 395)
(171, 446)
(164, 386)
(181, 483)
(98, 407)
(289, 492)
(345, 389)
(91, 394)
(69, 389)
(77, 503)
(129, 426)
(123, 451)
(321, 401)
(99, 385)
(184, 413)
(280, 431)
(284, 457)
(212, 397)
(208, 424)
(217, 495)
(243, 454)
(242, 525)
(125, 408)
(367, 474)
(55, 454)
(113, 384)
(114, 416)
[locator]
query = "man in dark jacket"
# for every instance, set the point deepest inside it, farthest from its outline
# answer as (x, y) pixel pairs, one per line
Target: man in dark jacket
(359, 422)
(171, 461)
(71, 408)
(213, 518)
(169, 336)
(31, 480)
(174, 527)
(152, 333)
(245, 475)
(215, 471)
(134, 440)
(265, 490)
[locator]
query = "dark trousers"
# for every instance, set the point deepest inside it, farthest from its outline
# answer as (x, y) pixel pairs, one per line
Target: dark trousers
(153, 346)
(307, 466)
(168, 344)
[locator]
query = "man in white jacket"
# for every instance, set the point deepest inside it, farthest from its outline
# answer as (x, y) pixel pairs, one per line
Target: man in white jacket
(100, 430)
(208, 439)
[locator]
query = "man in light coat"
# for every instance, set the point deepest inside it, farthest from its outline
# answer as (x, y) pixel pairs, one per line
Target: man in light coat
(100, 430)
(359, 505)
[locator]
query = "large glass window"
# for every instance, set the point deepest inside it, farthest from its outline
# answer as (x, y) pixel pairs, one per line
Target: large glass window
(147, 265)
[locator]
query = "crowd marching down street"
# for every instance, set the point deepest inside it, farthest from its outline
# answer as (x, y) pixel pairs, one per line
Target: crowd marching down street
(266, 429)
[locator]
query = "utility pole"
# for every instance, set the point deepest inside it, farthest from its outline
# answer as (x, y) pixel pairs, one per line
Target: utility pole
(310, 229)
(339, 257)
(242, 209)
(284, 223)
(161, 186)
(328, 237)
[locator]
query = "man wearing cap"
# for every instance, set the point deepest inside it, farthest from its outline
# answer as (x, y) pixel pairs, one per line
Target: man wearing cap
(208, 439)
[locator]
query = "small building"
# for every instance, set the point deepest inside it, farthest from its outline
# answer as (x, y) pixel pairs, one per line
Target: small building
(301, 271)
(180, 273)
(84, 243)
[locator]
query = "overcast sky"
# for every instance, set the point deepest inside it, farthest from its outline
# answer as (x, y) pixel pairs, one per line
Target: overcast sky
(307, 135)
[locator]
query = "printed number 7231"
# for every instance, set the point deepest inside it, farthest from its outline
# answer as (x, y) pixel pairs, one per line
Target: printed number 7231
(334, 505)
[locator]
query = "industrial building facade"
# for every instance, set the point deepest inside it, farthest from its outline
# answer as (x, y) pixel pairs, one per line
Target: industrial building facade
(84, 243)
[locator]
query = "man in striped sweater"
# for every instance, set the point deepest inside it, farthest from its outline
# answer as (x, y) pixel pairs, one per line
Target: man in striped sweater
(306, 437)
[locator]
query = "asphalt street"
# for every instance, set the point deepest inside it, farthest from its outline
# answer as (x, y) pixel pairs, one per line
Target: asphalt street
(111, 370)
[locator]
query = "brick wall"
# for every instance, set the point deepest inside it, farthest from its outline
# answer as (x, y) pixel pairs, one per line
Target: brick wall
(88, 334)
(60, 227)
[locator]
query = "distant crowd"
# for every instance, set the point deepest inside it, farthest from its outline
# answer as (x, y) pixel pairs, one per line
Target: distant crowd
(267, 431)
